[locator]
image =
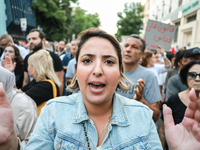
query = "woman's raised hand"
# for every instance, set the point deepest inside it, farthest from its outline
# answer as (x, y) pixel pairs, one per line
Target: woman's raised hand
(8, 138)
(8, 64)
(186, 135)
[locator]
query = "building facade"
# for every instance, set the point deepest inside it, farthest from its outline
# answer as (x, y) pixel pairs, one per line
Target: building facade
(15, 10)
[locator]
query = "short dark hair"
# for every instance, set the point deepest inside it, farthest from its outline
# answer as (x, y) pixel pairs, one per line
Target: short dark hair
(143, 46)
(179, 55)
(192, 51)
(41, 33)
(185, 69)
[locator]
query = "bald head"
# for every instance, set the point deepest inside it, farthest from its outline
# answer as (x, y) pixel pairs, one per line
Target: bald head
(6, 37)
(6, 40)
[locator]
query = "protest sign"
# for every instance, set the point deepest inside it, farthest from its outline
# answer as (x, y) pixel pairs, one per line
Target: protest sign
(159, 34)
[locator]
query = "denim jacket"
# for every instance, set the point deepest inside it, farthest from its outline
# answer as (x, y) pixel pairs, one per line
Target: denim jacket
(60, 126)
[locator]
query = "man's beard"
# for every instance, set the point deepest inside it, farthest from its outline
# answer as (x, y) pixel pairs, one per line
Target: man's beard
(61, 49)
(37, 47)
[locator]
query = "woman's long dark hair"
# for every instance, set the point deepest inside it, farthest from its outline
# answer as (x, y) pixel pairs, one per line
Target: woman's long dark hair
(18, 58)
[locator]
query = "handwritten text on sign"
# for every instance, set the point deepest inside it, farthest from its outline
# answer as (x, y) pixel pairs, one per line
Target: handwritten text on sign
(159, 34)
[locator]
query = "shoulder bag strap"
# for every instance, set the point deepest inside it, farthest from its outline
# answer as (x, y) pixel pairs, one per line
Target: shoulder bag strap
(53, 86)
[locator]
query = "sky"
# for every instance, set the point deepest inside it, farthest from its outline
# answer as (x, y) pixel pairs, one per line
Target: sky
(107, 10)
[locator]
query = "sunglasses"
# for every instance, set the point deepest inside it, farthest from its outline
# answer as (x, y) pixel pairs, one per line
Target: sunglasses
(3, 45)
(192, 75)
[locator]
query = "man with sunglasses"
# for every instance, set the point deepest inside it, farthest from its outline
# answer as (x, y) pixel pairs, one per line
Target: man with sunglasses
(174, 85)
(6, 40)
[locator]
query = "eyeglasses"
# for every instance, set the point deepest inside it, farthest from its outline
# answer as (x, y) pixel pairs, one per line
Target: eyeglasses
(193, 75)
(3, 45)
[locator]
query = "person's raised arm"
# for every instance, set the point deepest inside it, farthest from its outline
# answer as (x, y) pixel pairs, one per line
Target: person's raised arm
(186, 135)
(163, 54)
(8, 137)
(138, 96)
(26, 79)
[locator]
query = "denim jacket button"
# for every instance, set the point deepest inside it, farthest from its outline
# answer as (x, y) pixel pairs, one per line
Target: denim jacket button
(58, 146)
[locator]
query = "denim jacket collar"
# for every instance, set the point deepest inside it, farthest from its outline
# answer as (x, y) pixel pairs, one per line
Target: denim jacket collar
(119, 116)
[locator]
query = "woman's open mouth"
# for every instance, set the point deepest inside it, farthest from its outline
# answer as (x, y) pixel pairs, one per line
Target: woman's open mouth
(97, 88)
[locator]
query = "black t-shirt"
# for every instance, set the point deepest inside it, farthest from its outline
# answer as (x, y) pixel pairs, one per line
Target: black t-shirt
(177, 107)
(57, 63)
(40, 91)
(19, 75)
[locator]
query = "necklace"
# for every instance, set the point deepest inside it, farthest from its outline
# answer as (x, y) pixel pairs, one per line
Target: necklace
(88, 143)
(105, 126)
(86, 136)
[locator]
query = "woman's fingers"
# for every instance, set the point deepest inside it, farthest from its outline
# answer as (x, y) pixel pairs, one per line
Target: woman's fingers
(4, 102)
(197, 112)
(168, 119)
(192, 105)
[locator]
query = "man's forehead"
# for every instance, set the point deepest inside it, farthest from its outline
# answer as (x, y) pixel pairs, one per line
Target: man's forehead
(73, 42)
(3, 41)
(62, 42)
(133, 39)
(33, 34)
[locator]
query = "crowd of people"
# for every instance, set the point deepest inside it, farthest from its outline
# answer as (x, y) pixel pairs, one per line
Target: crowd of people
(96, 95)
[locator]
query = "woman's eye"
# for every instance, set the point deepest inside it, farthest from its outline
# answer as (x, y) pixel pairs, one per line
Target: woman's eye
(86, 61)
(109, 62)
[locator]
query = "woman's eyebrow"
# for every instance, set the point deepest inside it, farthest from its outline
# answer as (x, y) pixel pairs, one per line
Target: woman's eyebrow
(105, 56)
(87, 55)
(108, 56)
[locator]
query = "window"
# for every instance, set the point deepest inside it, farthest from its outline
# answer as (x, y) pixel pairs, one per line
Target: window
(170, 9)
(179, 2)
(176, 32)
(191, 18)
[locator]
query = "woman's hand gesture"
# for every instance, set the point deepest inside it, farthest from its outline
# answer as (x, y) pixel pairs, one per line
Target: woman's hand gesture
(139, 90)
(8, 64)
(186, 135)
(8, 138)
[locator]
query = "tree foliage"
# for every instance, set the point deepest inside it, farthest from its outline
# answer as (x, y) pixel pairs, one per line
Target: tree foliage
(82, 21)
(130, 20)
(59, 21)
(52, 16)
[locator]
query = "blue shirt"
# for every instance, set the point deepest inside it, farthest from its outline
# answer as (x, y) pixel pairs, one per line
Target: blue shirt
(67, 58)
(71, 68)
(60, 126)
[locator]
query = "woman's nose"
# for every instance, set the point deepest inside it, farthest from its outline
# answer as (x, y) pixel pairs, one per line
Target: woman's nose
(97, 69)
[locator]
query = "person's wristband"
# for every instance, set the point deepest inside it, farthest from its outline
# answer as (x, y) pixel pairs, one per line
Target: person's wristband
(164, 56)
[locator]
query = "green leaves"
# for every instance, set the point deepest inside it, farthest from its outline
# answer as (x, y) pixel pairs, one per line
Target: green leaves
(130, 19)
(59, 22)
(82, 21)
